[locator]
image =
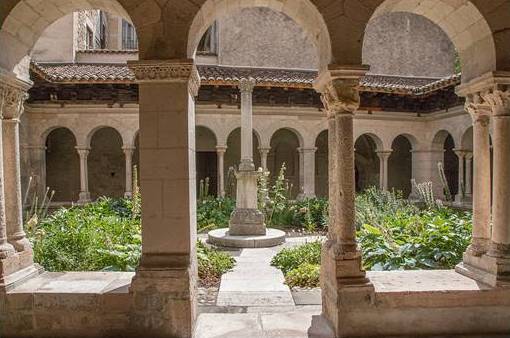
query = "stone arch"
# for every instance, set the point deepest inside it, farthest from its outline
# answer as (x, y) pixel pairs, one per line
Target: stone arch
(443, 141)
(206, 159)
(90, 134)
(303, 12)
(400, 164)
(285, 145)
(321, 164)
(62, 164)
(467, 139)
(106, 163)
(23, 21)
(366, 161)
(469, 26)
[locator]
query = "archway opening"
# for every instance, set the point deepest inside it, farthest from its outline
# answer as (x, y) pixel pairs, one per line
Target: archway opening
(321, 165)
(233, 157)
(367, 163)
(400, 166)
(206, 161)
(285, 151)
(106, 164)
(62, 165)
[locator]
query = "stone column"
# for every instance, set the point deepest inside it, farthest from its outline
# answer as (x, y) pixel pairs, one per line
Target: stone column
(461, 194)
(384, 156)
(469, 175)
(263, 157)
(500, 243)
(84, 196)
(247, 219)
(307, 171)
(11, 111)
(164, 288)
(220, 152)
(343, 279)
(16, 256)
(128, 153)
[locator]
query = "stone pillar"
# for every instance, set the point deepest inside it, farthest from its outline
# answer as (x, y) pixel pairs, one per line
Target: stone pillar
(461, 194)
(488, 257)
(247, 219)
(128, 153)
(500, 243)
(164, 288)
(307, 172)
(469, 176)
(343, 279)
(84, 196)
(11, 111)
(220, 152)
(263, 157)
(16, 256)
(384, 156)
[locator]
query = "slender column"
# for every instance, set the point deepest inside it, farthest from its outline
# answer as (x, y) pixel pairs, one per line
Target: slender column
(500, 243)
(164, 287)
(482, 180)
(246, 87)
(461, 194)
(384, 155)
(84, 196)
(247, 219)
(307, 171)
(264, 151)
(469, 175)
(220, 151)
(6, 249)
(128, 153)
(12, 110)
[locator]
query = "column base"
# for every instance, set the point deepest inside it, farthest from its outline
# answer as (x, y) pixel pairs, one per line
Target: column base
(17, 269)
(164, 293)
(486, 268)
(128, 194)
(247, 222)
(84, 198)
(344, 284)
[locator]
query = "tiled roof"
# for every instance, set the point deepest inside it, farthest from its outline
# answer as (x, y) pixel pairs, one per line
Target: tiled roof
(221, 75)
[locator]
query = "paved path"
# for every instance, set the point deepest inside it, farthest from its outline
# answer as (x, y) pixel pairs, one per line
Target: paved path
(254, 282)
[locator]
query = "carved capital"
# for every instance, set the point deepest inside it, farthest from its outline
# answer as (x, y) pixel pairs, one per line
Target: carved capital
(246, 85)
(161, 71)
(479, 110)
(499, 102)
(341, 96)
(12, 99)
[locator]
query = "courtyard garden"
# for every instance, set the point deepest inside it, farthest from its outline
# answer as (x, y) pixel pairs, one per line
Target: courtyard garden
(393, 233)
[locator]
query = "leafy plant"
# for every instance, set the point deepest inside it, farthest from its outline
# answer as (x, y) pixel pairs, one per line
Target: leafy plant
(306, 275)
(213, 213)
(212, 264)
(291, 258)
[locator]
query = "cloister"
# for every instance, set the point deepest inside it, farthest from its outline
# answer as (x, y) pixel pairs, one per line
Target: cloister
(336, 145)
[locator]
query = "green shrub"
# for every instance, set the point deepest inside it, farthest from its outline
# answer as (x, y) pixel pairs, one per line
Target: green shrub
(213, 213)
(105, 235)
(212, 264)
(291, 258)
(306, 275)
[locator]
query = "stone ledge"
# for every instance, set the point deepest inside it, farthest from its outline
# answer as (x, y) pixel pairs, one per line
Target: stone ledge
(221, 237)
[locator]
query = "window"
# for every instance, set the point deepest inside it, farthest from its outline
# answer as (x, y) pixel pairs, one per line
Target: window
(102, 29)
(129, 39)
(209, 43)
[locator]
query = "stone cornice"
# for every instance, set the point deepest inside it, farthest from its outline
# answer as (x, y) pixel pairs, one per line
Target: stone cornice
(161, 71)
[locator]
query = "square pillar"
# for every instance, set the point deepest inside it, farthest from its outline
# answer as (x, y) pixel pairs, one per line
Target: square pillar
(164, 287)
(343, 280)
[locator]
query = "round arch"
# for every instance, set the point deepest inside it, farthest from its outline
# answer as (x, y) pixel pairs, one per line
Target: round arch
(62, 164)
(206, 160)
(321, 164)
(106, 163)
(366, 161)
(443, 141)
(466, 24)
(303, 12)
(93, 131)
(285, 145)
(400, 164)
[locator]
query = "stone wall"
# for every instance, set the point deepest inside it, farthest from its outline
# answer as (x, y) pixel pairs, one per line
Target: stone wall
(407, 44)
